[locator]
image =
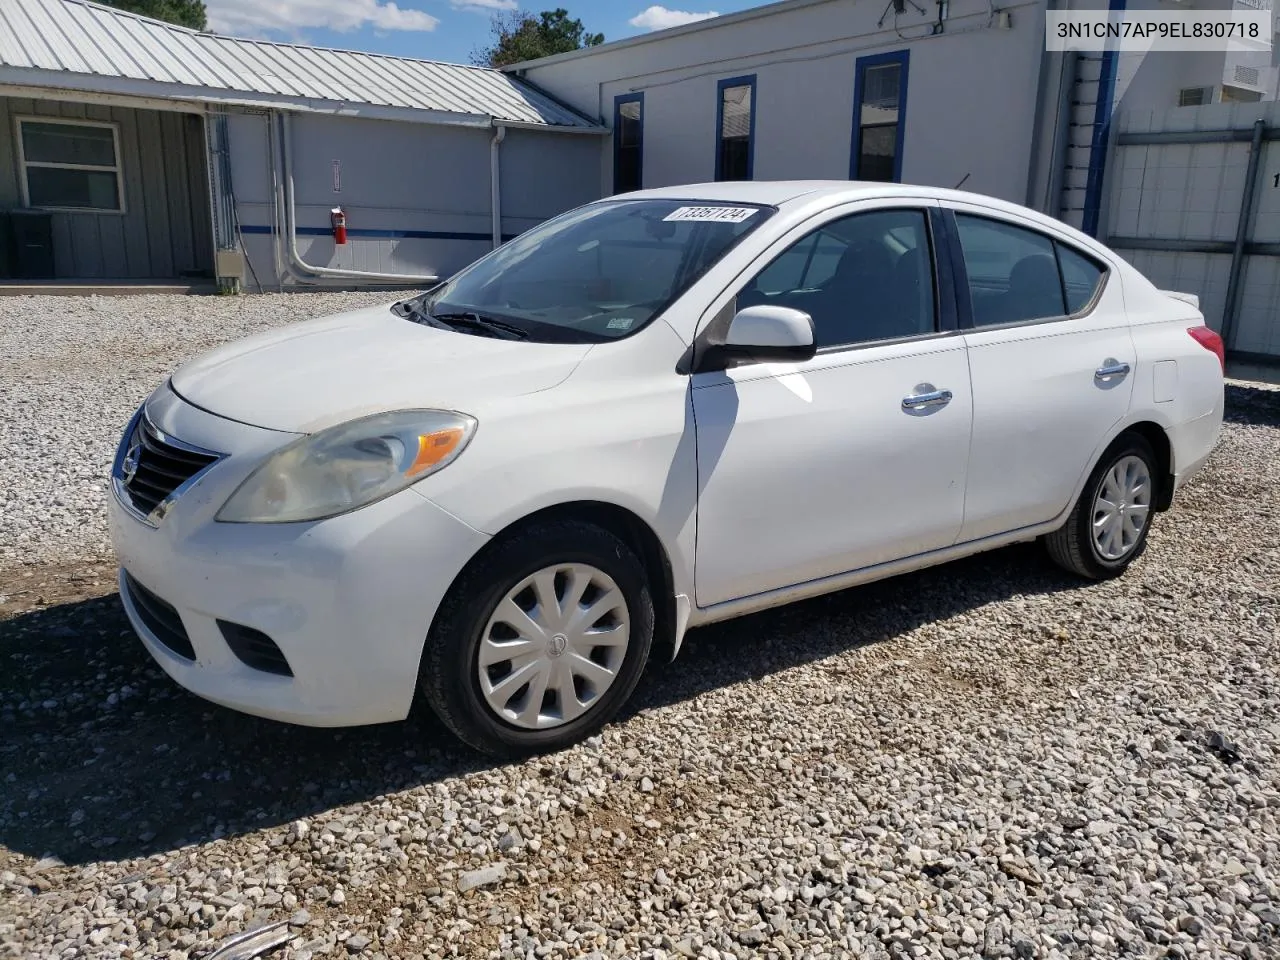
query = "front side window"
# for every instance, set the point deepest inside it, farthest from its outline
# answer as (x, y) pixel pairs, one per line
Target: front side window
(862, 278)
(880, 112)
(596, 273)
(735, 144)
(1017, 275)
(628, 143)
(70, 165)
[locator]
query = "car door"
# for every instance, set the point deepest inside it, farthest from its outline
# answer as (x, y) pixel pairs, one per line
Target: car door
(856, 456)
(1051, 359)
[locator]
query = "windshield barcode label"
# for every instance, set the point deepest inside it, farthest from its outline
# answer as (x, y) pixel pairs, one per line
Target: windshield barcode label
(718, 214)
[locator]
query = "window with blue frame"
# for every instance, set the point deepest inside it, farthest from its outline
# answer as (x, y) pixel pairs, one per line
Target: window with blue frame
(628, 142)
(735, 128)
(880, 115)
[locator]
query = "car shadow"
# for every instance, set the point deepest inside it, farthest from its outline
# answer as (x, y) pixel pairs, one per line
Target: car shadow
(1254, 406)
(104, 758)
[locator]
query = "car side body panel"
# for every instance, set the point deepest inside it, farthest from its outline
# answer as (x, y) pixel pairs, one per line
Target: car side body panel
(618, 431)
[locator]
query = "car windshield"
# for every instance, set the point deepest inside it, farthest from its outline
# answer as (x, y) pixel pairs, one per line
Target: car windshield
(597, 273)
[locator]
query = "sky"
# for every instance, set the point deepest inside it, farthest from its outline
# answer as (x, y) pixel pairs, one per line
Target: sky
(438, 29)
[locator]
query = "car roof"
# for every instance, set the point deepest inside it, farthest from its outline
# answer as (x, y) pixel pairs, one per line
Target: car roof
(777, 192)
(780, 193)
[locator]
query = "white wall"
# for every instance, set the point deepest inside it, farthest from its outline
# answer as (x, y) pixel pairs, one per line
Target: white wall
(970, 99)
(426, 186)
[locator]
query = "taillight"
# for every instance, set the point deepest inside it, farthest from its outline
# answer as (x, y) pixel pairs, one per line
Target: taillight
(1211, 342)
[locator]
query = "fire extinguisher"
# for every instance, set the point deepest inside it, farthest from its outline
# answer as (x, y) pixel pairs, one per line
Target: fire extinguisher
(338, 220)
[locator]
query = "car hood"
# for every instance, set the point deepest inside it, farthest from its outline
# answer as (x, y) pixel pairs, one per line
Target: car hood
(311, 375)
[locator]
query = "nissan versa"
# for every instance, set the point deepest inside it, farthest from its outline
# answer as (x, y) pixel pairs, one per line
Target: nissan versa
(652, 412)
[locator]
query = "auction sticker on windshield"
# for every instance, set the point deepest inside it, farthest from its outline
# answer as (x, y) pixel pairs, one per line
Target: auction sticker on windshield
(717, 214)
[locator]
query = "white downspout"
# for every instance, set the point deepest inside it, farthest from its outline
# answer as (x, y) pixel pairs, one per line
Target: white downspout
(495, 183)
(291, 233)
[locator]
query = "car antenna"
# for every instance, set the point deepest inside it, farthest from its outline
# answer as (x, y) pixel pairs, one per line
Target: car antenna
(961, 183)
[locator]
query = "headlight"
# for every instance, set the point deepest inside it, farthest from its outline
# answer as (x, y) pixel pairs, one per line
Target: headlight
(349, 466)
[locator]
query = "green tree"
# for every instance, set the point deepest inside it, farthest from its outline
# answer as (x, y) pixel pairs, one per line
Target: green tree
(185, 13)
(519, 35)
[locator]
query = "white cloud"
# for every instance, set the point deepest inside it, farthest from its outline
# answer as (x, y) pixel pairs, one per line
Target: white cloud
(258, 17)
(484, 6)
(660, 18)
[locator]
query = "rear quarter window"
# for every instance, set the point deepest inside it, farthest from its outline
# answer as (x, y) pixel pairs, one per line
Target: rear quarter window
(1081, 277)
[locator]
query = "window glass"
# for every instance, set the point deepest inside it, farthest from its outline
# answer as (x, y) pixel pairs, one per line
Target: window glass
(1081, 277)
(59, 187)
(70, 165)
(599, 272)
(1013, 274)
(878, 114)
(861, 278)
(68, 143)
(734, 159)
(806, 266)
(628, 145)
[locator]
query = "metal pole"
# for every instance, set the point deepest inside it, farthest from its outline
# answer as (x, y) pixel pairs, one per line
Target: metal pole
(1242, 232)
(1052, 204)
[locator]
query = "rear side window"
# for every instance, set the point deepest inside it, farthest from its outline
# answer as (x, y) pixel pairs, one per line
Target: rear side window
(1081, 278)
(1016, 274)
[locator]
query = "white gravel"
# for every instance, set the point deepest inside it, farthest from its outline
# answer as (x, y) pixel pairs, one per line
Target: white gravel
(73, 370)
(989, 758)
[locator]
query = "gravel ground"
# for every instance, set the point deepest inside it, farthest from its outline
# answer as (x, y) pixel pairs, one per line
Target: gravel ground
(73, 369)
(988, 758)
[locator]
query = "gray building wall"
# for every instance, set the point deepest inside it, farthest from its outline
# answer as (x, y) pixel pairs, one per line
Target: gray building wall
(416, 196)
(971, 92)
(165, 230)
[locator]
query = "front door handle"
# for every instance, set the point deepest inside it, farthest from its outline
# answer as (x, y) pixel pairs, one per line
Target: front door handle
(925, 401)
(1111, 367)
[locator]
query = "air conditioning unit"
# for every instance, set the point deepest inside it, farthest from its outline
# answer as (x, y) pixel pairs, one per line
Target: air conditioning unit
(1246, 76)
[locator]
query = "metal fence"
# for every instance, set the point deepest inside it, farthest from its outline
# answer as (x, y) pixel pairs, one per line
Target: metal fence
(1195, 205)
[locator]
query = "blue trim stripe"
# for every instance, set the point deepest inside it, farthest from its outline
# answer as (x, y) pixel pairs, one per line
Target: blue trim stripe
(369, 234)
(902, 57)
(1101, 135)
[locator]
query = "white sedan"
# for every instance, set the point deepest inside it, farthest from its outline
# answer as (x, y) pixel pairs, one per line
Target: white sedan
(655, 411)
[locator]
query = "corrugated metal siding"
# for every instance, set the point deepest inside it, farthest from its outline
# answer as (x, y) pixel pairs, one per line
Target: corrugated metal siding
(165, 231)
(84, 38)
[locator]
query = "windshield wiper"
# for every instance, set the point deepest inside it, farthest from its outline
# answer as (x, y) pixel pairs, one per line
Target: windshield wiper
(417, 313)
(478, 322)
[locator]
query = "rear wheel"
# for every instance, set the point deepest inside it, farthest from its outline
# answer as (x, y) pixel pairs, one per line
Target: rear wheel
(1107, 529)
(541, 641)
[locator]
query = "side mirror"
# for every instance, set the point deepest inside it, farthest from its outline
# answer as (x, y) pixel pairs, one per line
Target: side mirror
(770, 333)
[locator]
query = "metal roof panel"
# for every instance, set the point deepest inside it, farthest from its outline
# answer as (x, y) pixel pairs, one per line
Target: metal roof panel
(87, 39)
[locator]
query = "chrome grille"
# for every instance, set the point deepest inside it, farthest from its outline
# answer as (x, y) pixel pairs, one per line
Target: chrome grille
(152, 468)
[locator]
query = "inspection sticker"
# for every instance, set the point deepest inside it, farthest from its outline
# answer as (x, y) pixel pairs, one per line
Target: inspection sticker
(620, 323)
(716, 214)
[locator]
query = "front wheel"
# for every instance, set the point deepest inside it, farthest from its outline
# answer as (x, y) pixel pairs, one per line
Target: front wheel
(541, 641)
(1107, 529)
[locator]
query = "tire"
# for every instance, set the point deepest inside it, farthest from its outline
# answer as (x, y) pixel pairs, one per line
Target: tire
(469, 624)
(1074, 546)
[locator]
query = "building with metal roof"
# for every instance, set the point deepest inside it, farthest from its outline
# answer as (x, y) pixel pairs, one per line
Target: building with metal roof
(132, 148)
(77, 45)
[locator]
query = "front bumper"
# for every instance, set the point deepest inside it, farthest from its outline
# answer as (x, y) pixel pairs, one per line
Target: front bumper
(348, 601)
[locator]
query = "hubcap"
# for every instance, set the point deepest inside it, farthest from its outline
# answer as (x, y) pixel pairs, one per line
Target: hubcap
(554, 645)
(1122, 509)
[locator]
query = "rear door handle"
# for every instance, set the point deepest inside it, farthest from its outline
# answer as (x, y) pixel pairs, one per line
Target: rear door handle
(1111, 368)
(923, 401)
